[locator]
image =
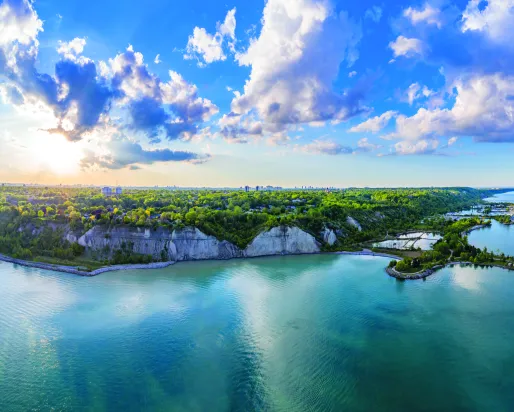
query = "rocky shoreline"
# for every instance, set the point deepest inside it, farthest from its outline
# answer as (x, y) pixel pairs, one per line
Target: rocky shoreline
(412, 276)
(426, 273)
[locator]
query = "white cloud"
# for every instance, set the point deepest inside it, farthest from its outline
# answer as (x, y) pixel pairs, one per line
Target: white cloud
(184, 99)
(452, 140)
(428, 15)
(415, 92)
(374, 124)
(352, 74)
(327, 147)
(157, 59)
(407, 47)
(207, 48)
(204, 46)
(426, 92)
(364, 145)
(412, 92)
(496, 19)
(119, 152)
(228, 28)
(239, 129)
(426, 146)
(19, 28)
(18, 23)
(294, 62)
(483, 109)
(71, 49)
(374, 13)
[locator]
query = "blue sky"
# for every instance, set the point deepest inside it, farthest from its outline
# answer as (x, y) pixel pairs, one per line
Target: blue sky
(282, 92)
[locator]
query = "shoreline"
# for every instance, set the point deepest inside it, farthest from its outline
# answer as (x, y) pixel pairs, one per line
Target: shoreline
(471, 229)
(429, 272)
(161, 265)
(74, 271)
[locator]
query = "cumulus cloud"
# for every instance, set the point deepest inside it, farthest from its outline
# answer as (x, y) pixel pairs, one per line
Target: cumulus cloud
(82, 94)
(18, 24)
(120, 153)
(374, 124)
(157, 59)
(352, 74)
(374, 13)
(207, 48)
(428, 15)
(404, 46)
(495, 19)
(294, 62)
(71, 49)
(478, 39)
(483, 109)
(239, 129)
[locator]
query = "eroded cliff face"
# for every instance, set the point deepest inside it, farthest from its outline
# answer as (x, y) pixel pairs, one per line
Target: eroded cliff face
(282, 240)
(138, 240)
(329, 237)
(193, 244)
(353, 222)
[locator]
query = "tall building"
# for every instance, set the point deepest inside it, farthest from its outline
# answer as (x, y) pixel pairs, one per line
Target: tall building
(119, 191)
(107, 191)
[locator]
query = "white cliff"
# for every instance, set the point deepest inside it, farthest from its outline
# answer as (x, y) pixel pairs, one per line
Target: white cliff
(351, 221)
(142, 241)
(193, 244)
(329, 237)
(282, 240)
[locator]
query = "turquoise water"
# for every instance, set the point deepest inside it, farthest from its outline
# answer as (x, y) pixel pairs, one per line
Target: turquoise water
(302, 333)
(497, 238)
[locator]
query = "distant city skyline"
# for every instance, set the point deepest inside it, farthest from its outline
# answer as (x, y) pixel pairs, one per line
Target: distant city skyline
(287, 93)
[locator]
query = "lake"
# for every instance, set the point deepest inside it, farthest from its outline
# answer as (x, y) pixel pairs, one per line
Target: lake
(297, 333)
(507, 197)
(497, 238)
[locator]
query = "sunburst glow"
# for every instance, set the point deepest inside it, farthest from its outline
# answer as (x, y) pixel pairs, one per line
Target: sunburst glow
(56, 154)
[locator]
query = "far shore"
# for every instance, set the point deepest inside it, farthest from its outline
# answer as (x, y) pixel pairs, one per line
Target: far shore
(160, 265)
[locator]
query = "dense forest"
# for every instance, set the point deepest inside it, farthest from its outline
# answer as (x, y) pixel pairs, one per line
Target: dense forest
(32, 218)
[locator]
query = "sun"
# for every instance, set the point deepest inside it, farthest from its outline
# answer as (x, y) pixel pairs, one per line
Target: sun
(58, 155)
